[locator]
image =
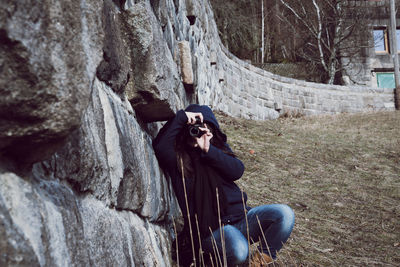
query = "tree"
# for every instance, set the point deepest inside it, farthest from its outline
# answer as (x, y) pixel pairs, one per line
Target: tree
(322, 26)
(262, 31)
(238, 25)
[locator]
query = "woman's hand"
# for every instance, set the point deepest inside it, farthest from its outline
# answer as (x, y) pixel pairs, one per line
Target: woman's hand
(203, 142)
(192, 117)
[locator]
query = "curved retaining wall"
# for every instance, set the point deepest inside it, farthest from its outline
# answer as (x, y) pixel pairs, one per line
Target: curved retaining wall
(243, 90)
(254, 89)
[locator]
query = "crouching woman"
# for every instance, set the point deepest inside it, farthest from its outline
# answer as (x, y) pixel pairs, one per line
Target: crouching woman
(193, 151)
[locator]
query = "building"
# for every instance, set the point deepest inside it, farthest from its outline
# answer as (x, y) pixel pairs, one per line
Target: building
(369, 62)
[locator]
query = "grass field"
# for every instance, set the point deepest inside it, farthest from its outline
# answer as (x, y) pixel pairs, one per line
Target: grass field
(340, 174)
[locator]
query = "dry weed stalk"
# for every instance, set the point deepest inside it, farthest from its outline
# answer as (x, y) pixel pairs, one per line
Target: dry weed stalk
(188, 212)
(176, 240)
(201, 253)
(223, 261)
(265, 240)
(219, 261)
(221, 227)
(215, 249)
(247, 227)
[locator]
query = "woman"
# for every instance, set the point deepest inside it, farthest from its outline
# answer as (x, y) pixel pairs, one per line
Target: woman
(203, 169)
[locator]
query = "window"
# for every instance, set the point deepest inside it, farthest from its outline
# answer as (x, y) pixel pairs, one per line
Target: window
(381, 40)
(385, 80)
(398, 39)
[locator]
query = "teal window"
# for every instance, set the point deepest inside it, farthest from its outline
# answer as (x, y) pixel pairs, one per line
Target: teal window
(385, 80)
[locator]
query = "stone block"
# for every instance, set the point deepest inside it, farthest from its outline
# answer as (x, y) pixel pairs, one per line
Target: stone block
(311, 100)
(154, 92)
(302, 101)
(186, 62)
(58, 228)
(221, 75)
(269, 104)
(278, 105)
(46, 73)
(213, 57)
(389, 105)
(123, 176)
(234, 82)
(235, 98)
(285, 102)
(368, 100)
(114, 68)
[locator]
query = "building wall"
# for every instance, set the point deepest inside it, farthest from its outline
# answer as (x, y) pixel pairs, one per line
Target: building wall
(362, 66)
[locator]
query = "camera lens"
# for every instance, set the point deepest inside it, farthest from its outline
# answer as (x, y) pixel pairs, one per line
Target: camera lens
(194, 131)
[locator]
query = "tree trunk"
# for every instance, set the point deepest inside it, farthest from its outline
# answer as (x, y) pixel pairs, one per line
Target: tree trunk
(262, 31)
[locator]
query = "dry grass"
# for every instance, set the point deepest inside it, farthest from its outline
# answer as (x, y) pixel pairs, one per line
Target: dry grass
(340, 174)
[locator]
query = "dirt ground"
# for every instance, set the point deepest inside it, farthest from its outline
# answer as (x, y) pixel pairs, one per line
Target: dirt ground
(340, 174)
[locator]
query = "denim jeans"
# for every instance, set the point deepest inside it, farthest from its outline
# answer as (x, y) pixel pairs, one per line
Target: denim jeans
(276, 220)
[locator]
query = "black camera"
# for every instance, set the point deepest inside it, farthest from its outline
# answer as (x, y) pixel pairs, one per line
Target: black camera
(194, 129)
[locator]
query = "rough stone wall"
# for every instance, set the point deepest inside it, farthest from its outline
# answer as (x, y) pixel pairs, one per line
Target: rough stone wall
(83, 84)
(79, 182)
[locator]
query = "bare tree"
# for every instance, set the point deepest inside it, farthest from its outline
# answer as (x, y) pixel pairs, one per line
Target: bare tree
(239, 26)
(323, 26)
(262, 31)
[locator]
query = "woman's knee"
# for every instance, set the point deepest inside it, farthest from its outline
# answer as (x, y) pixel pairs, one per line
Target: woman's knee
(237, 249)
(240, 252)
(287, 217)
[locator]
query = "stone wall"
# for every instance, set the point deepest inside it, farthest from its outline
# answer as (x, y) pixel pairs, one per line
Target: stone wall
(242, 90)
(254, 93)
(83, 85)
(79, 182)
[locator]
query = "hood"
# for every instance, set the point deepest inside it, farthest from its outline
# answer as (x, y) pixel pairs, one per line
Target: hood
(208, 115)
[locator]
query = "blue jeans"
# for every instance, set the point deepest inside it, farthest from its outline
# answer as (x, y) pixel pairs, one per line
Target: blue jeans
(276, 220)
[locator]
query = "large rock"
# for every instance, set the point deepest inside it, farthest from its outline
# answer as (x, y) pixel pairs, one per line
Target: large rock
(114, 68)
(48, 57)
(15, 248)
(101, 200)
(45, 223)
(155, 90)
(111, 157)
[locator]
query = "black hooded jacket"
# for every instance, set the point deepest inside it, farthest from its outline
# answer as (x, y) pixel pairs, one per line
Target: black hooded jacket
(228, 167)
